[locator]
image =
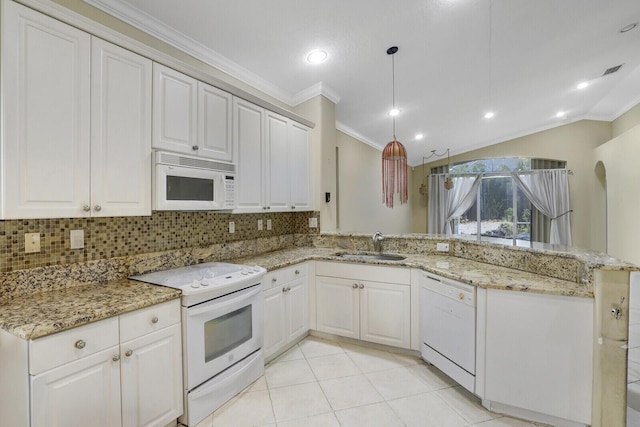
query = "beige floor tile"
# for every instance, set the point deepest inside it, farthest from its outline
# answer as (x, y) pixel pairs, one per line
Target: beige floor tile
(349, 392)
(258, 385)
(426, 410)
(431, 376)
(283, 374)
(395, 383)
(245, 410)
(316, 347)
(298, 401)
(466, 404)
(407, 360)
(375, 415)
(322, 420)
(333, 366)
(374, 360)
(293, 353)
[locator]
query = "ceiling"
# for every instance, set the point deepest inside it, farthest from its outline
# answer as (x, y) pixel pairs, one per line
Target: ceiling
(457, 60)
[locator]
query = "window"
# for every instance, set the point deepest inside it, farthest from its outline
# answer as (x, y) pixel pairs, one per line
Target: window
(501, 212)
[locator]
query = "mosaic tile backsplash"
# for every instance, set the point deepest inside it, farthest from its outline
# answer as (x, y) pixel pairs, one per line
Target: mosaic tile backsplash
(122, 236)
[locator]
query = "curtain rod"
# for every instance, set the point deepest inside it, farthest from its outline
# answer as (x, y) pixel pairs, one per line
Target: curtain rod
(489, 174)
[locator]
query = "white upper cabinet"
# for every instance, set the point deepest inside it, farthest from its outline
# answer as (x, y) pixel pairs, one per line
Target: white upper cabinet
(300, 166)
(175, 104)
(278, 194)
(214, 123)
(120, 131)
(248, 141)
(190, 116)
(77, 122)
(46, 115)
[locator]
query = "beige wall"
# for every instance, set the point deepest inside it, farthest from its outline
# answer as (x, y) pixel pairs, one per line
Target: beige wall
(626, 121)
(360, 206)
(620, 158)
(574, 143)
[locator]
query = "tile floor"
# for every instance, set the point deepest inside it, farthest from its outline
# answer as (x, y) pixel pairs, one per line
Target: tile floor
(320, 383)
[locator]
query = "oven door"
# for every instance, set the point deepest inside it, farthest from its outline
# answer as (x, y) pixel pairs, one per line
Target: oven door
(220, 332)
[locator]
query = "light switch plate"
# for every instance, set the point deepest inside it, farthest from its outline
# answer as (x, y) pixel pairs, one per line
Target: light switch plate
(77, 239)
(442, 247)
(31, 243)
(260, 226)
(232, 227)
(268, 224)
(313, 222)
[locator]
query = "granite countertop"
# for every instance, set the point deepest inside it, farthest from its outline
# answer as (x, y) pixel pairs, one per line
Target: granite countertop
(472, 272)
(39, 314)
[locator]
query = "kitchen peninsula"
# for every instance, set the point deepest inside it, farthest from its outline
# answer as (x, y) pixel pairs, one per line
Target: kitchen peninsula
(546, 272)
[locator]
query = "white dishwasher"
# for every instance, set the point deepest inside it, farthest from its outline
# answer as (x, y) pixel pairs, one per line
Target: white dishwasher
(448, 327)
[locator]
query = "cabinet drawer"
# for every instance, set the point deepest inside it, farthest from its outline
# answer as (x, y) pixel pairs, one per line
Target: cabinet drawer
(372, 273)
(73, 344)
(149, 319)
(284, 275)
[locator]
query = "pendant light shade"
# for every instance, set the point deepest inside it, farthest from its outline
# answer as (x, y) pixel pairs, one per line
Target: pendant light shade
(394, 156)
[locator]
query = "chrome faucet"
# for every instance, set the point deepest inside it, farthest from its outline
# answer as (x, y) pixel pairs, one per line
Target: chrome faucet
(377, 241)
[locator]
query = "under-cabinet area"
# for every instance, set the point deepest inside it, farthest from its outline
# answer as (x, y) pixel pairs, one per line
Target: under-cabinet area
(121, 371)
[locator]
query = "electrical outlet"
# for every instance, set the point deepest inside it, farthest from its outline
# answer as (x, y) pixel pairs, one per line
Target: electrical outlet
(442, 247)
(77, 239)
(268, 224)
(232, 227)
(313, 222)
(31, 243)
(260, 227)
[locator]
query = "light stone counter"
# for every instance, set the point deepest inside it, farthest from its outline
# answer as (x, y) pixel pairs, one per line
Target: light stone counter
(39, 314)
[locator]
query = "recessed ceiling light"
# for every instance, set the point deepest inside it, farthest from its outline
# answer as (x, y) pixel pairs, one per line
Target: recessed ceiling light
(628, 27)
(561, 115)
(394, 112)
(316, 56)
(419, 137)
(489, 115)
(582, 85)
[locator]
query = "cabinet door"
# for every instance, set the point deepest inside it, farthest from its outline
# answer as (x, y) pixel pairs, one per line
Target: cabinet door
(297, 308)
(385, 314)
(300, 166)
(46, 97)
(248, 141)
(120, 131)
(278, 195)
(214, 123)
(337, 306)
(274, 321)
(175, 103)
(152, 378)
(85, 392)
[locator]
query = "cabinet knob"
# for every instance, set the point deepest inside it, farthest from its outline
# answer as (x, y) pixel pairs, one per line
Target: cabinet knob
(293, 207)
(361, 286)
(115, 357)
(128, 353)
(274, 279)
(80, 344)
(355, 286)
(97, 208)
(195, 148)
(86, 208)
(155, 319)
(297, 272)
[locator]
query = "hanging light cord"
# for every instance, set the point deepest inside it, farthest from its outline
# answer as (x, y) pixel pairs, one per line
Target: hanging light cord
(393, 92)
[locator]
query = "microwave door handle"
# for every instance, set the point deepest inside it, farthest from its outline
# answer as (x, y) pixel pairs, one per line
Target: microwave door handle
(221, 305)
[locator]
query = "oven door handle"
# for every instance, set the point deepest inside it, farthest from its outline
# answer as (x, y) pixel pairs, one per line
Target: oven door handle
(219, 305)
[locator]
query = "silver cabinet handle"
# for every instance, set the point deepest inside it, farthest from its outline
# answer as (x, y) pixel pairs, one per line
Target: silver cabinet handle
(355, 286)
(80, 344)
(361, 286)
(155, 319)
(195, 148)
(128, 353)
(115, 357)
(97, 208)
(86, 208)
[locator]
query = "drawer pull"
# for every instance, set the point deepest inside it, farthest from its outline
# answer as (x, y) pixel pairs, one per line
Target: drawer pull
(355, 286)
(80, 344)
(128, 353)
(155, 319)
(115, 357)
(361, 286)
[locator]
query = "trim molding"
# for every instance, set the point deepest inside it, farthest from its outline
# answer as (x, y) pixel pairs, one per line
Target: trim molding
(354, 134)
(319, 88)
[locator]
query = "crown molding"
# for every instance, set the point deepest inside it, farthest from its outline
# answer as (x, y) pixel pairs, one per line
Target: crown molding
(354, 134)
(319, 88)
(166, 34)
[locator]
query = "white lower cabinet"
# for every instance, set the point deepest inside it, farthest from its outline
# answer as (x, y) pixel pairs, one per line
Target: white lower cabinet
(121, 371)
(370, 303)
(286, 307)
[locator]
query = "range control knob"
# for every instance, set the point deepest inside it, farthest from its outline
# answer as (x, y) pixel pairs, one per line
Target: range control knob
(195, 284)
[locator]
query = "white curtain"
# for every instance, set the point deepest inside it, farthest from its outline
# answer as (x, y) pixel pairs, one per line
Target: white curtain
(444, 205)
(548, 191)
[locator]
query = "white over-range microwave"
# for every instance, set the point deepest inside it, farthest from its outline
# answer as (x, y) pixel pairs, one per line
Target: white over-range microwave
(185, 183)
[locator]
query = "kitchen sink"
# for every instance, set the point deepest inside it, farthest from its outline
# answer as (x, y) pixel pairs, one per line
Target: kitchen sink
(372, 257)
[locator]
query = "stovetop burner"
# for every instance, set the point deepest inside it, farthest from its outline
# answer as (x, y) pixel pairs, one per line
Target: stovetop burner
(202, 282)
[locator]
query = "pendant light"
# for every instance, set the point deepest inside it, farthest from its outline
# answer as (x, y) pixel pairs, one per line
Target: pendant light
(394, 155)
